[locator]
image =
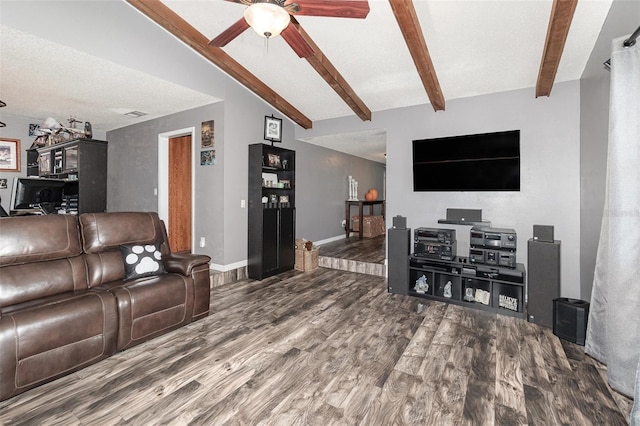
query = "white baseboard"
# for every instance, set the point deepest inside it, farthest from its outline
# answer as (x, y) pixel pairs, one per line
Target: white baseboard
(330, 240)
(230, 267)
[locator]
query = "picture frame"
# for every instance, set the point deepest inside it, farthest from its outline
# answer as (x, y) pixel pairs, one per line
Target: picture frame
(286, 183)
(273, 160)
(9, 155)
(3, 184)
(207, 138)
(208, 158)
(284, 199)
(272, 129)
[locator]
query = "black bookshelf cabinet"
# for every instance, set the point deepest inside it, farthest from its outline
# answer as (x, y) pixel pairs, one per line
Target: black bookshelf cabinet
(272, 214)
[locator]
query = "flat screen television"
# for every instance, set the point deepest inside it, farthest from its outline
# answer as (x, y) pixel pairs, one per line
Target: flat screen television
(482, 162)
(30, 193)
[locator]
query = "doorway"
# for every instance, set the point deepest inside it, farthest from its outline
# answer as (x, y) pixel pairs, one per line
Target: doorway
(175, 187)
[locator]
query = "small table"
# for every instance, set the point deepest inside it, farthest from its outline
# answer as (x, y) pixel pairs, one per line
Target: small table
(360, 203)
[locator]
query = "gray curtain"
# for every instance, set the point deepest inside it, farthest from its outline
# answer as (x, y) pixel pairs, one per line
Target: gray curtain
(613, 332)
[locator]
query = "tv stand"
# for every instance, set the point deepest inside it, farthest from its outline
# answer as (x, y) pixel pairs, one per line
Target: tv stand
(502, 290)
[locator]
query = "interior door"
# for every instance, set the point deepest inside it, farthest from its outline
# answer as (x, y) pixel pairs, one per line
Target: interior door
(179, 222)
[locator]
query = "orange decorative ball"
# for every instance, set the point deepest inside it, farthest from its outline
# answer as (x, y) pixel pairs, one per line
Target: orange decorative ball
(369, 196)
(374, 194)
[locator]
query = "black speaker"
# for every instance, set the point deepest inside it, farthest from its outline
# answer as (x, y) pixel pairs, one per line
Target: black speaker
(400, 222)
(543, 233)
(570, 319)
(544, 280)
(398, 251)
(464, 215)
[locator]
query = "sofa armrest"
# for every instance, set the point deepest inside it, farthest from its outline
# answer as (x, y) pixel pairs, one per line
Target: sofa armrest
(183, 263)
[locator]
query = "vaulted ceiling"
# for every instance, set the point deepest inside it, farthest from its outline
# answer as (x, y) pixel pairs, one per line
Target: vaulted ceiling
(403, 53)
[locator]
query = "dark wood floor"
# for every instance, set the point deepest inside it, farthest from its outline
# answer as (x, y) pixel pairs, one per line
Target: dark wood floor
(332, 347)
(362, 250)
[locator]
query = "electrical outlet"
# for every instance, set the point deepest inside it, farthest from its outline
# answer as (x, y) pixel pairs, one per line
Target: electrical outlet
(202, 242)
(243, 204)
(344, 223)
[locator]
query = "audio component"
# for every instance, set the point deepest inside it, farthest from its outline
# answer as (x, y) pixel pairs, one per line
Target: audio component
(544, 280)
(492, 257)
(570, 319)
(543, 233)
(400, 222)
(438, 235)
(434, 250)
(398, 250)
(496, 238)
(464, 215)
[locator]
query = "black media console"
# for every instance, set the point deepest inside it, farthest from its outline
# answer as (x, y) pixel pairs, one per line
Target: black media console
(489, 288)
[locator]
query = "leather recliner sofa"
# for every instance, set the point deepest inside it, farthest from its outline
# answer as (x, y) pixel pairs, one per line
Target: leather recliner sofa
(68, 298)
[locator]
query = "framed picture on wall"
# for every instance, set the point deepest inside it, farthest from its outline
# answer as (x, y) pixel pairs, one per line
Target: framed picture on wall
(207, 135)
(9, 155)
(273, 129)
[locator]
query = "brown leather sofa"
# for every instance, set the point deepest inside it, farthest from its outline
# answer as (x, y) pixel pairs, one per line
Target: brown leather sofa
(65, 302)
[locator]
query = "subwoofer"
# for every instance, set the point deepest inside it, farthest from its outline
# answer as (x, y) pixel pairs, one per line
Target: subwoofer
(570, 319)
(398, 251)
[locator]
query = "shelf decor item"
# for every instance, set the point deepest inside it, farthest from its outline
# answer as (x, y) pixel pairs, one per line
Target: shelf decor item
(272, 129)
(9, 155)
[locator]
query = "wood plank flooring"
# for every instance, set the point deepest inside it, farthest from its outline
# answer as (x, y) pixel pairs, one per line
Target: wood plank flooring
(333, 348)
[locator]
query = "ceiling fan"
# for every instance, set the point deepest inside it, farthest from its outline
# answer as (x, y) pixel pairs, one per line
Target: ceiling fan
(270, 18)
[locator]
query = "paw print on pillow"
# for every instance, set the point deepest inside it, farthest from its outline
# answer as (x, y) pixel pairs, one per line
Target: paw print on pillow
(141, 260)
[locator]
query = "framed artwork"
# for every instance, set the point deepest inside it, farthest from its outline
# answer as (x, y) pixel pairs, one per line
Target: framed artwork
(284, 199)
(207, 139)
(273, 129)
(273, 160)
(3, 184)
(208, 158)
(9, 155)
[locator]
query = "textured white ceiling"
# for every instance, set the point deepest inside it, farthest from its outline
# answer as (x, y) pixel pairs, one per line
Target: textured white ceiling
(477, 47)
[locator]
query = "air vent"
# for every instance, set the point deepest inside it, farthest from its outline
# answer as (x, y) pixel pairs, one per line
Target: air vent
(136, 114)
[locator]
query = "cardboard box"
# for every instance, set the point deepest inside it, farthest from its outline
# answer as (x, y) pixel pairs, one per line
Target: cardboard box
(306, 260)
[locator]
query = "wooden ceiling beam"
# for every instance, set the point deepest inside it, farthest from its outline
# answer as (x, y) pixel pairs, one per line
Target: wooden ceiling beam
(330, 74)
(559, 22)
(409, 25)
(172, 22)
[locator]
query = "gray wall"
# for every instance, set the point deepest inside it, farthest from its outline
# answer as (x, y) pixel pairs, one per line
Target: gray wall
(321, 175)
(133, 172)
(550, 165)
(623, 19)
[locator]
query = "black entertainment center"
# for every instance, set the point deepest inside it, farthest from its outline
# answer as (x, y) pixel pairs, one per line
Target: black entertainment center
(427, 265)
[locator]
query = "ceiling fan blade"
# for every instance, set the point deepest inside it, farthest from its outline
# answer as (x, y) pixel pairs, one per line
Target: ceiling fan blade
(332, 8)
(245, 2)
(230, 33)
(296, 41)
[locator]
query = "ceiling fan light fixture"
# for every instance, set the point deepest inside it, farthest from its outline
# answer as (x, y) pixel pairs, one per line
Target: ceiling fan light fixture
(267, 18)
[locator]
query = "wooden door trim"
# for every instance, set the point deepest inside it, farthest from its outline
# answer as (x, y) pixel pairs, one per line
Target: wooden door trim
(163, 175)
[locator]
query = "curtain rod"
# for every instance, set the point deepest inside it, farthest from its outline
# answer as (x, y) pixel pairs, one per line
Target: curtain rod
(632, 39)
(627, 43)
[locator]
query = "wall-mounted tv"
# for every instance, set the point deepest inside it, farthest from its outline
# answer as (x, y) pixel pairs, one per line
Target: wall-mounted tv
(482, 162)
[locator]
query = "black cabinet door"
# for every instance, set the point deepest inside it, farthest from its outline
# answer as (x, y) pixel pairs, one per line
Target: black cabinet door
(287, 238)
(270, 244)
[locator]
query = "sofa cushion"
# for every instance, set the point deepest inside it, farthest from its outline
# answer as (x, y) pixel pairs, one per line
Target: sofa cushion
(108, 231)
(141, 260)
(36, 238)
(53, 336)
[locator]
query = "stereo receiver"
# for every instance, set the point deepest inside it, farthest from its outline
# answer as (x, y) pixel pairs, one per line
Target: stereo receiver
(435, 250)
(446, 236)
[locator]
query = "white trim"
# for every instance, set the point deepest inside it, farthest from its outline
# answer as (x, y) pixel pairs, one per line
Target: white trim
(163, 175)
(330, 240)
(225, 268)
